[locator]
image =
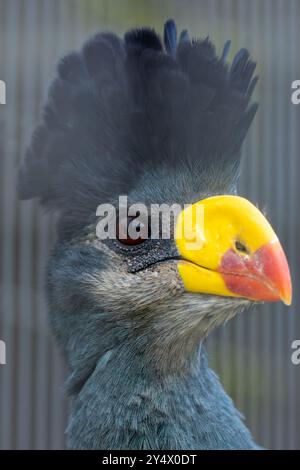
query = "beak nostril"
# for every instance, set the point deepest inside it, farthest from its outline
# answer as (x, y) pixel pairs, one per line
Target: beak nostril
(241, 247)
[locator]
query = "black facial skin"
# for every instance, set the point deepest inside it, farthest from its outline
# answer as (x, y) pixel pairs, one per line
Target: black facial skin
(146, 254)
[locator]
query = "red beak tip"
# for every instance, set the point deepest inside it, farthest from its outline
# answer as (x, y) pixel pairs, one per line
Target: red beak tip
(270, 283)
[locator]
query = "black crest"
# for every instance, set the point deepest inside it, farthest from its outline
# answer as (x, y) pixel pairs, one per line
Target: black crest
(122, 104)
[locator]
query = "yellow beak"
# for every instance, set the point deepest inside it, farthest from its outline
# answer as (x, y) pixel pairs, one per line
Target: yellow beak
(228, 248)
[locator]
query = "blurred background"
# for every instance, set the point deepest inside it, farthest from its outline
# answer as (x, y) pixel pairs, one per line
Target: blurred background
(252, 354)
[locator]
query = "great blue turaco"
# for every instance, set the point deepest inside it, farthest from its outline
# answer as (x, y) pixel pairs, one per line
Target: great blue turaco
(160, 121)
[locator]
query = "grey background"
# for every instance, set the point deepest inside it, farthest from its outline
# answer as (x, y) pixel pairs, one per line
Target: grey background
(252, 353)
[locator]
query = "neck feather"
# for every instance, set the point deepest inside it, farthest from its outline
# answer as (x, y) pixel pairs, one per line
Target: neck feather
(126, 404)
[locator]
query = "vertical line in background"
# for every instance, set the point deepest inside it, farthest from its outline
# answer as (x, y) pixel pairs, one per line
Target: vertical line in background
(212, 16)
(205, 29)
(279, 213)
(293, 174)
(44, 51)
(3, 48)
(37, 313)
(25, 236)
(282, 179)
(266, 110)
(8, 225)
(86, 17)
(75, 32)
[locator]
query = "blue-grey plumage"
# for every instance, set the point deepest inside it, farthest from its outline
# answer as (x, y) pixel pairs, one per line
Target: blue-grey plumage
(225, 52)
(184, 36)
(170, 37)
(150, 412)
(162, 125)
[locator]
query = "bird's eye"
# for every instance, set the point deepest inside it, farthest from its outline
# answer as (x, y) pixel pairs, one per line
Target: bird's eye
(241, 247)
(132, 231)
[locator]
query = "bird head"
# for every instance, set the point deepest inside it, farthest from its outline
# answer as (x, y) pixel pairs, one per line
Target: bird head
(162, 124)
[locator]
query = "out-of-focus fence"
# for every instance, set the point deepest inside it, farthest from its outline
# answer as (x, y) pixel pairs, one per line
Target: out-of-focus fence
(252, 354)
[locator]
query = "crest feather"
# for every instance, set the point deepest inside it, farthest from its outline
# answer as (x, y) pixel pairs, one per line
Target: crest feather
(122, 104)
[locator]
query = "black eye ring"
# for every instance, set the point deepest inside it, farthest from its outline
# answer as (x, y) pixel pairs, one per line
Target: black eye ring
(241, 247)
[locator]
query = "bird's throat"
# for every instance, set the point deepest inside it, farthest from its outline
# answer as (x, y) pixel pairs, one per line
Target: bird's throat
(124, 404)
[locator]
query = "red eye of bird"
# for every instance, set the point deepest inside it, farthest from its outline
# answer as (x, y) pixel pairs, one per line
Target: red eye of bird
(132, 231)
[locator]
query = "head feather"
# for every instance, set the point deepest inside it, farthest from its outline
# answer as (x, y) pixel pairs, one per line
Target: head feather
(120, 105)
